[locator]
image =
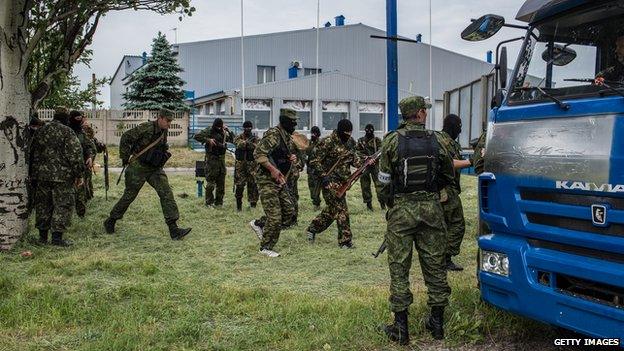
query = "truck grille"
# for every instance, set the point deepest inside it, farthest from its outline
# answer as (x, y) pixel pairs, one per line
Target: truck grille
(617, 203)
(575, 224)
(597, 292)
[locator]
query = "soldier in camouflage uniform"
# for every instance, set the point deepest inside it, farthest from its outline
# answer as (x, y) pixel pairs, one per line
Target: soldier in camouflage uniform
(148, 167)
(334, 157)
(367, 146)
(275, 154)
(215, 140)
(76, 122)
(58, 167)
(314, 179)
(412, 170)
(451, 202)
(99, 148)
(245, 167)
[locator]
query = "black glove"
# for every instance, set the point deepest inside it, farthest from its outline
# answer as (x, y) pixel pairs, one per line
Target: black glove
(325, 181)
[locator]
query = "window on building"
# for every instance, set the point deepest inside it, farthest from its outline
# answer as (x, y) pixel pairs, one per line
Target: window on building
(311, 71)
(218, 107)
(334, 112)
(211, 110)
(266, 74)
(259, 113)
(371, 113)
(222, 107)
(303, 109)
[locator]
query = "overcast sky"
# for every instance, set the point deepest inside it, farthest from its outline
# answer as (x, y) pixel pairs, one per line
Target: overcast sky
(131, 32)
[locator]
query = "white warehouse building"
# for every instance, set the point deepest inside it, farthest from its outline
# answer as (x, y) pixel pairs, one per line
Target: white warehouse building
(280, 68)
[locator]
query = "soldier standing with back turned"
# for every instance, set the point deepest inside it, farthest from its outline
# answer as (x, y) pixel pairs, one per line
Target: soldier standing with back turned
(148, 167)
(412, 170)
(58, 168)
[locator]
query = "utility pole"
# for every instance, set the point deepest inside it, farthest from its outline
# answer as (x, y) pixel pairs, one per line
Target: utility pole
(392, 66)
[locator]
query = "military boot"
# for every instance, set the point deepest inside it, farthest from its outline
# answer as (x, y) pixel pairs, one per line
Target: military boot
(43, 237)
(239, 204)
(435, 323)
(109, 225)
(398, 331)
(57, 240)
(177, 233)
(369, 205)
(451, 266)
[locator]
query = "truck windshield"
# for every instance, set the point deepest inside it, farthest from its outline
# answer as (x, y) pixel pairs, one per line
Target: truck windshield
(562, 57)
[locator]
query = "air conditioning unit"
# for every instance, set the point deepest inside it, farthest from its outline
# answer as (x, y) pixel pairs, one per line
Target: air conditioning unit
(296, 64)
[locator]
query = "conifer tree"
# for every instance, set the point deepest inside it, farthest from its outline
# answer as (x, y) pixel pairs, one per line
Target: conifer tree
(156, 84)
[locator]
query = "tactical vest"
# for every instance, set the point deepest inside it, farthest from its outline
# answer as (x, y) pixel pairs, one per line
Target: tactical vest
(281, 156)
(418, 152)
(244, 154)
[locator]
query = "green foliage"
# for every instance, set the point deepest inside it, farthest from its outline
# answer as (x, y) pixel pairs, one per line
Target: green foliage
(138, 290)
(67, 92)
(156, 84)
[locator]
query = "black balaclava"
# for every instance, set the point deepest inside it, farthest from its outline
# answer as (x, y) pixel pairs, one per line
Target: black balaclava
(370, 131)
(344, 127)
(217, 124)
(247, 127)
(288, 124)
(62, 117)
(75, 120)
(316, 133)
(452, 126)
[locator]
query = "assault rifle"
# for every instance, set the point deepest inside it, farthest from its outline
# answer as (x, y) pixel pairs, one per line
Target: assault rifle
(106, 180)
(357, 174)
(381, 249)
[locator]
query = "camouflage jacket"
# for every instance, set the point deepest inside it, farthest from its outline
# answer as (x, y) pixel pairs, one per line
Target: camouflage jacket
(271, 141)
(139, 137)
(88, 147)
(221, 140)
(367, 147)
(478, 157)
(247, 145)
(56, 154)
(310, 154)
(453, 149)
(389, 159)
(334, 158)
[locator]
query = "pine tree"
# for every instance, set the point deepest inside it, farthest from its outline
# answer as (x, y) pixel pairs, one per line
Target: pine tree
(156, 84)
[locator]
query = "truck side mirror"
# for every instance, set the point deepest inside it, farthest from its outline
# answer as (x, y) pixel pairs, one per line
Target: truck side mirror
(502, 68)
(561, 55)
(483, 28)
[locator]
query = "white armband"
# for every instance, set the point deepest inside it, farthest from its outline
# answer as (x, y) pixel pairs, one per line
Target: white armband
(384, 178)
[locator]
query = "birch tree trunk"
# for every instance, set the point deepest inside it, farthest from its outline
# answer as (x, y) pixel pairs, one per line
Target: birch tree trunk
(14, 112)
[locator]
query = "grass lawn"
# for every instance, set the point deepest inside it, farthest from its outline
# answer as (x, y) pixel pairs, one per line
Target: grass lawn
(181, 157)
(138, 290)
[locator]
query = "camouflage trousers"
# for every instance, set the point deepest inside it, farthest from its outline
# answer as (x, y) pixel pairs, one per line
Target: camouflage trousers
(135, 177)
(89, 183)
(215, 180)
(369, 176)
(54, 205)
(83, 195)
(335, 210)
(455, 223)
(420, 224)
(293, 188)
(314, 184)
(279, 211)
(244, 175)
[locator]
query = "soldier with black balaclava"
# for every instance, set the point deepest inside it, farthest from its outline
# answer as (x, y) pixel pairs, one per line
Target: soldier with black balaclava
(76, 122)
(368, 145)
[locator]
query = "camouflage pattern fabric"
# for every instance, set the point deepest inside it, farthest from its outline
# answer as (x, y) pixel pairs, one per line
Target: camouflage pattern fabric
(367, 147)
(414, 220)
(293, 181)
(54, 205)
(334, 159)
(314, 179)
(84, 192)
(57, 162)
(138, 173)
(478, 157)
(276, 200)
(215, 165)
(245, 171)
(99, 148)
(452, 205)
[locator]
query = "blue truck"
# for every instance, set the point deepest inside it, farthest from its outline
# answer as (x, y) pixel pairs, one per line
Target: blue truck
(552, 193)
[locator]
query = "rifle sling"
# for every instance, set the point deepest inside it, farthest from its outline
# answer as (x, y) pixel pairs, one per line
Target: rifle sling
(147, 148)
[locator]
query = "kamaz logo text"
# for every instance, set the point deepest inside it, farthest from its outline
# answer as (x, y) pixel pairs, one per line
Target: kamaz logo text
(608, 188)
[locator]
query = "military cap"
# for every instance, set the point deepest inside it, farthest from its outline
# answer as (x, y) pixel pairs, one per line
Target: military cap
(167, 113)
(410, 105)
(288, 113)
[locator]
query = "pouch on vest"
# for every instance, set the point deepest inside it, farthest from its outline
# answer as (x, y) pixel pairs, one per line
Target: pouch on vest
(418, 161)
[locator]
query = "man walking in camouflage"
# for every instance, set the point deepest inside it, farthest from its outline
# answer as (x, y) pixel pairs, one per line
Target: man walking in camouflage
(58, 168)
(412, 170)
(215, 140)
(245, 167)
(275, 154)
(335, 156)
(451, 202)
(314, 179)
(148, 139)
(367, 146)
(88, 152)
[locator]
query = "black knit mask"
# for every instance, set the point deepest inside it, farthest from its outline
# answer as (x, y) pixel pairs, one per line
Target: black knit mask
(452, 126)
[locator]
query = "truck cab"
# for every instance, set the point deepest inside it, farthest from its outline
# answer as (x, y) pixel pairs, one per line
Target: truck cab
(552, 192)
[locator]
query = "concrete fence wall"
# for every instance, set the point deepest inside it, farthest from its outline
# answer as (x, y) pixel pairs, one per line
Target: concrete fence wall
(109, 125)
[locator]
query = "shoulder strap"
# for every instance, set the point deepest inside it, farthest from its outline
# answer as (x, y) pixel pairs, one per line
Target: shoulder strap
(154, 143)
